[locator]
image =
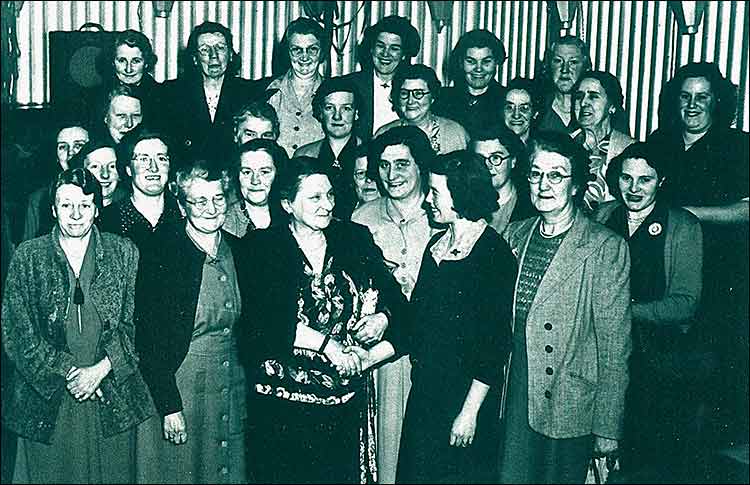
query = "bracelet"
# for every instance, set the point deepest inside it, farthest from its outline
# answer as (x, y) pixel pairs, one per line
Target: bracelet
(325, 342)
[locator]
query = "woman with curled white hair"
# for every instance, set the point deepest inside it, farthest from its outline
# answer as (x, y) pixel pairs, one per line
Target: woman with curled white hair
(187, 302)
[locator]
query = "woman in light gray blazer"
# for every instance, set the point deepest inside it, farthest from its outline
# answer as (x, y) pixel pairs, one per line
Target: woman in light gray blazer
(567, 375)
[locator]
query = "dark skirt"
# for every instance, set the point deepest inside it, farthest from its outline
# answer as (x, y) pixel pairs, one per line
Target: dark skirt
(425, 454)
(294, 442)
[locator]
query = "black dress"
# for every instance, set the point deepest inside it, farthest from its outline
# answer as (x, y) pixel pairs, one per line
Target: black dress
(461, 332)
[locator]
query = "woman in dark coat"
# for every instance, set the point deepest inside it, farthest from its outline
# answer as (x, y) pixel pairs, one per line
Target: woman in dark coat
(67, 321)
(460, 336)
(307, 287)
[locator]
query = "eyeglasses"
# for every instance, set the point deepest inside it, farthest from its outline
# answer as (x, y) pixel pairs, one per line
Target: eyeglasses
(312, 51)
(201, 204)
(523, 109)
(495, 159)
(360, 175)
(554, 177)
(218, 49)
(145, 160)
(417, 93)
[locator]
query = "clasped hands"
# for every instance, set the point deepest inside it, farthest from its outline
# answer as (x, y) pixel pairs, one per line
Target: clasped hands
(83, 382)
(353, 360)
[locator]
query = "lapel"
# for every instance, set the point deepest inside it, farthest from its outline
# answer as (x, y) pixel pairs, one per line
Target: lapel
(573, 251)
(225, 99)
(204, 118)
(103, 285)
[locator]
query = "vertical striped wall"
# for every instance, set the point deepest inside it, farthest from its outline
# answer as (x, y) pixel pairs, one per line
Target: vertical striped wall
(637, 41)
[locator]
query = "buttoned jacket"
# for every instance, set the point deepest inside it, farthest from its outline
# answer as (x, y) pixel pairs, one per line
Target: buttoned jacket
(35, 306)
(578, 332)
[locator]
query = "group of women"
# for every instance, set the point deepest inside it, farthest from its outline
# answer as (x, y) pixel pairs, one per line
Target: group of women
(238, 344)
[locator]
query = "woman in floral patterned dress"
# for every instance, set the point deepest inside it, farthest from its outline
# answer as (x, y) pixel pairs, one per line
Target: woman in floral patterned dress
(307, 287)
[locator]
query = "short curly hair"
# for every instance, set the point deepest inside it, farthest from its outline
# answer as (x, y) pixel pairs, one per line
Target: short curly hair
(612, 89)
(192, 64)
(413, 71)
(546, 76)
(301, 26)
(198, 170)
(333, 85)
(256, 109)
(470, 184)
(478, 38)
(562, 144)
(79, 177)
(411, 137)
(639, 150)
(134, 38)
(725, 94)
(392, 24)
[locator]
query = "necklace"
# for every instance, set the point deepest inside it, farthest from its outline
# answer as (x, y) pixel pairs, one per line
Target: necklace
(556, 229)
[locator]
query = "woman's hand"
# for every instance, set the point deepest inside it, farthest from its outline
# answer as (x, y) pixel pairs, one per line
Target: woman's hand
(174, 428)
(369, 329)
(365, 360)
(346, 364)
(604, 446)
(83, 382)
(463, 429)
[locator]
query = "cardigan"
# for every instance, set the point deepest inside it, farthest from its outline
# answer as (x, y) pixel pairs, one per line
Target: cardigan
(167, 291)
(578, 332)
(270, 269)
(683, 263)
(34, 310)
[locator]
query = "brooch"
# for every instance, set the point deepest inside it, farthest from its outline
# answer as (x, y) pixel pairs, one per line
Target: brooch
(654, 229)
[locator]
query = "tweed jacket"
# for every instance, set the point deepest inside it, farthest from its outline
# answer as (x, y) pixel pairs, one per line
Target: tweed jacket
(579, 327)
(167, 291)
(34, 310)
(683, 263)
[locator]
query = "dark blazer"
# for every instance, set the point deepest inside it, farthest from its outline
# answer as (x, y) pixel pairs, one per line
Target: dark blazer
(270, 269)
(581, 312)
(33, 321)
(188, 122)
(472, 112)
(167, 291)
(364, 83)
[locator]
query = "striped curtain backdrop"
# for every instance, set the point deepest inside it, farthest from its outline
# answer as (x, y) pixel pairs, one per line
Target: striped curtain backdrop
(637, 41)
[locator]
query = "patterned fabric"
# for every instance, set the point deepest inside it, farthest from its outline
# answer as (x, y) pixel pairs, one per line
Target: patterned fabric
(331, 303)
(124, 219)
(539, 255)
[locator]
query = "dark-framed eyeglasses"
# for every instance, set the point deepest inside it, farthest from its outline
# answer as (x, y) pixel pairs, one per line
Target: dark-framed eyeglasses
(495, 159)
(554, 177)
(200, 205)
(417, 93)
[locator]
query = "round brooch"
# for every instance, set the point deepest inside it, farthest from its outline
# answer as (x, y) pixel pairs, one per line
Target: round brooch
(654, 229)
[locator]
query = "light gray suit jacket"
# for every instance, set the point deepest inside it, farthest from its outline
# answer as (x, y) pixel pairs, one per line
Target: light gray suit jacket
(578, 332)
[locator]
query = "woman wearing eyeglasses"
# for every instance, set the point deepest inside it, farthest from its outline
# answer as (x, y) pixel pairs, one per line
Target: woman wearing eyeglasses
(415, 90)
(200, 104)
(521, 108)
(304, 47)
(568, 368)
(187, 302)
(502, 152)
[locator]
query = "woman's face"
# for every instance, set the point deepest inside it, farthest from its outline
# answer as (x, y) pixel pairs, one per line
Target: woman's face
(205, 206)
(257, 173)
(129, 64)
(518, 111)
(387, 53)
(339, 114)
(312, 207)
(305, 54)
(549, 198)
(149, 168)
(480, 67)
(75, 211)
(415, 100)
(697, 102)
(566, 66)
(497, 159)
(399, 172)
(253, 127)
(213, 54)
(440, 200)
(365, 187)
(591, 105)
(69, 142)
(639, 184)
(103, 164)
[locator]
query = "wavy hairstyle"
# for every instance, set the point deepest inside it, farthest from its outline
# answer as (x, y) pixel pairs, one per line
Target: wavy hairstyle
(470, 184)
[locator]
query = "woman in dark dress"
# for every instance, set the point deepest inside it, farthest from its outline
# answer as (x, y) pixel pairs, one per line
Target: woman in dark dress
(460, 336)
(307, 287)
